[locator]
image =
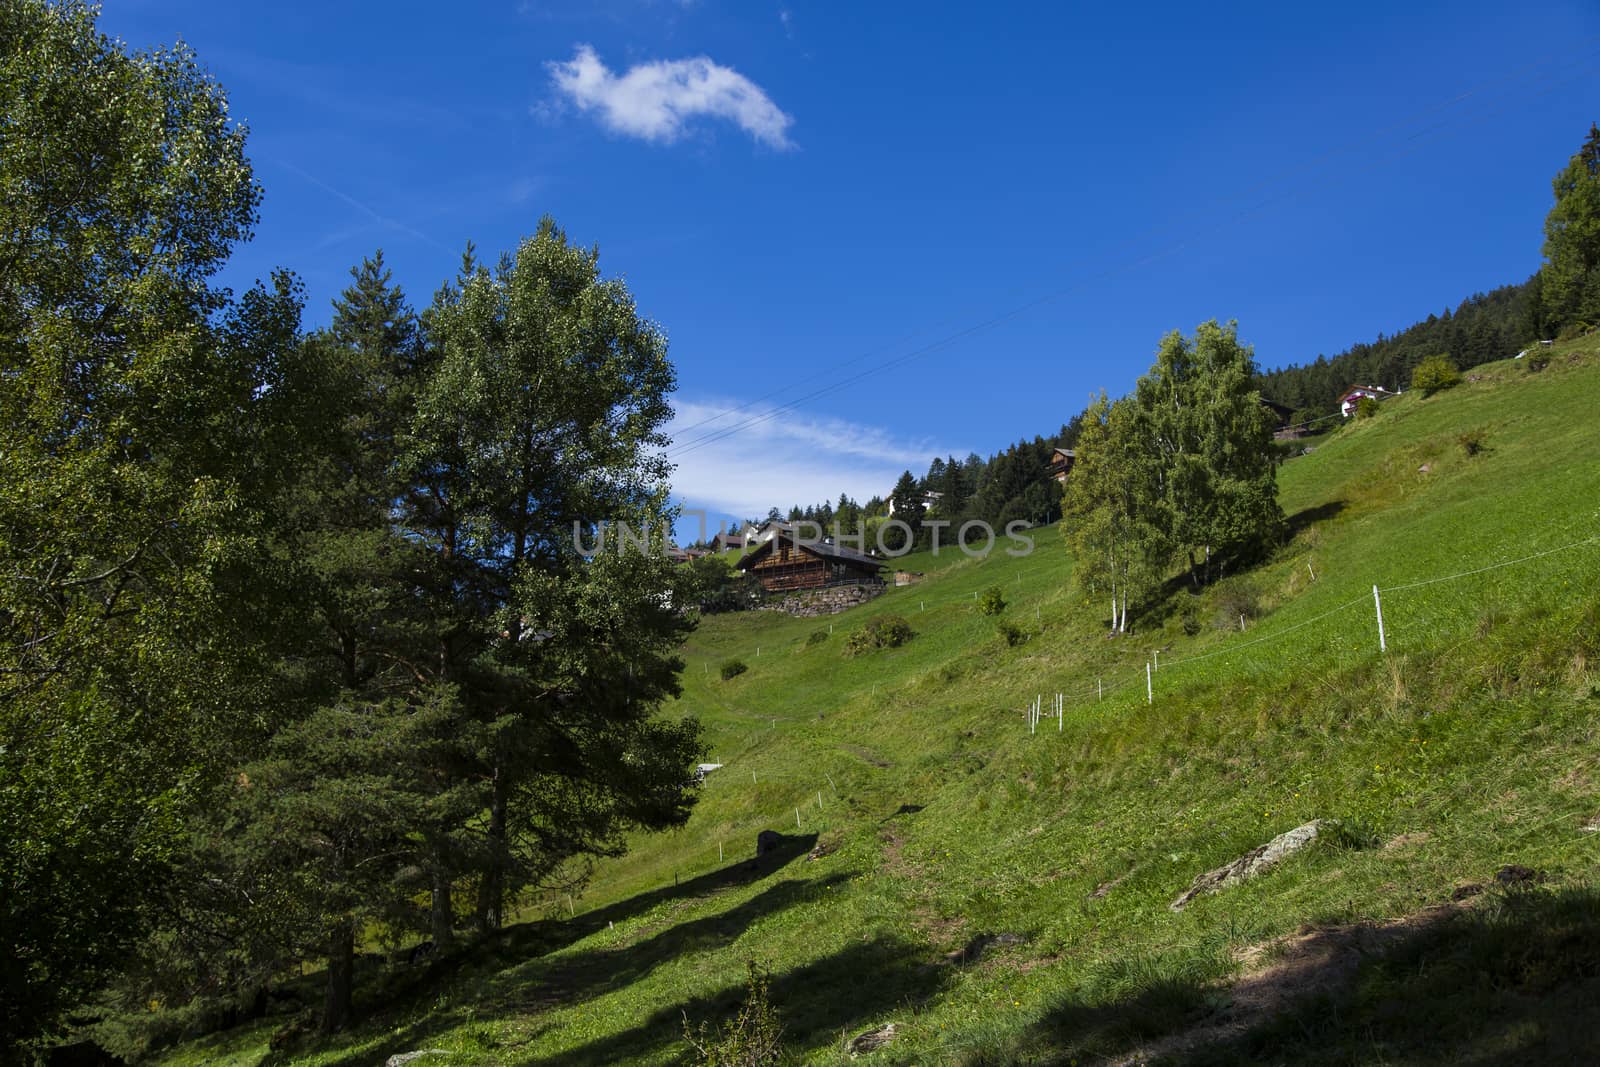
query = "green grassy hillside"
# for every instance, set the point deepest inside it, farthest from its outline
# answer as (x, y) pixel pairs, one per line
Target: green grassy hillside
(945, 823)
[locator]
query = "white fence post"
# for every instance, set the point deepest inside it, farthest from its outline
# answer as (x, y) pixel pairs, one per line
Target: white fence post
(1149, 687)
(1377, 601)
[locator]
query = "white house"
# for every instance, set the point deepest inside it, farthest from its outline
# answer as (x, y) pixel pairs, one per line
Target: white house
(1357, 393)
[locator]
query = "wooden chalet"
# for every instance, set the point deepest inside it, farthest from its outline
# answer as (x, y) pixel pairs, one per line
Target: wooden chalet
(786, 563)
(1061, 461)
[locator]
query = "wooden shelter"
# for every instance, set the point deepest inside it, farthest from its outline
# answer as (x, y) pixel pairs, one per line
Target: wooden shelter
(1061, 461)
(786, 563)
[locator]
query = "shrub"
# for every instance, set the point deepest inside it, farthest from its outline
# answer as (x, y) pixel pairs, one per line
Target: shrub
(1238, 598)
(1012, 634)
(1473, 442)
(993, 602)
(1435, 373)
(1366, 407)
(889, 631)
(817, 637)
(1537, 362)
(1189, 618)
(751, 1039)
(1573, 330)
(733, 668)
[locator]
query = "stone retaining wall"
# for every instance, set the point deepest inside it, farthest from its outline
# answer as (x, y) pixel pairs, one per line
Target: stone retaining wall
(809, 603)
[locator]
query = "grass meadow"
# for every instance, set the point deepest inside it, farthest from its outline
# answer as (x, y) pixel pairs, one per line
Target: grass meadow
(1002, 896)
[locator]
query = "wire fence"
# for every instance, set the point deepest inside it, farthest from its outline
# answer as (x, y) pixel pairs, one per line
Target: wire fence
(811, 803)
(1151, 670)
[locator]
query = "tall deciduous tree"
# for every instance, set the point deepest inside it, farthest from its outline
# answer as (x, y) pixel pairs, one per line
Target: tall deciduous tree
(1199, 413)
(1112, 510)
(140, 421)
(1569, 286)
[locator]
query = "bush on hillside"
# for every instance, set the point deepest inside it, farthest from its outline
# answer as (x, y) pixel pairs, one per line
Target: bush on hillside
(1435, 373)
(1574, 330)
(993, 602)
(751, 1039)
(1012, 634)
(1366, 407)
(890, 631)
(816, 638)
(733, 668)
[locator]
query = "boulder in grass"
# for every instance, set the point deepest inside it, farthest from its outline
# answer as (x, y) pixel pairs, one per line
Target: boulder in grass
(401, 1059)
(1257, 861)
(870, 1041)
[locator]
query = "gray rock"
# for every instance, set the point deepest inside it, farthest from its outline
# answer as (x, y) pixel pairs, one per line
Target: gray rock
(1256, 861)
(400, 1059)
(871, 1040)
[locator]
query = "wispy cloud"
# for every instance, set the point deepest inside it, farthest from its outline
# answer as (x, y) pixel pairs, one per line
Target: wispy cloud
(658, 101)
(381, 220)
(785, 460)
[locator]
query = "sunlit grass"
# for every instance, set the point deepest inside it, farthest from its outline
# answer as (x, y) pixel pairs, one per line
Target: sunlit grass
(1474, 729)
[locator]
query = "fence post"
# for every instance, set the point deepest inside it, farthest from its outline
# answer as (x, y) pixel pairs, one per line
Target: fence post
(1149, 687)
(1383, 643)
(1100, 687)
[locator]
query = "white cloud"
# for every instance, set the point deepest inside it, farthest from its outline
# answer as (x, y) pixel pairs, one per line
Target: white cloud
(655, 101)
(785, 460)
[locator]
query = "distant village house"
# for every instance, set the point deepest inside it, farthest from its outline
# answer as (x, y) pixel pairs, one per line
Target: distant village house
(786, 563)
(1061, 461)
(1355, 394)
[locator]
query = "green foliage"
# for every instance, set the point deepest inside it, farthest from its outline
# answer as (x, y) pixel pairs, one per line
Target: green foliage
(714, 586)
(1366, 407)
(1574, 330)
(1012, 634)
(1473, 442)
(753, 1038)
(1571, 273)
(144, 416)
(817, 637)
(732, 669)
(1435, 373)
(1185, 464)
(886, 631)
(992, 602)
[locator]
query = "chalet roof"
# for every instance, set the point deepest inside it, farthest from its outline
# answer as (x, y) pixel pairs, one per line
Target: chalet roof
(1366, 390)
(1283, 411)
(816, 548)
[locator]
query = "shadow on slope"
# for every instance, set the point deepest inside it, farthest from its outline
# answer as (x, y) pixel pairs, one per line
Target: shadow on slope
(1515, 979)
(819, 1003)
(511, 974)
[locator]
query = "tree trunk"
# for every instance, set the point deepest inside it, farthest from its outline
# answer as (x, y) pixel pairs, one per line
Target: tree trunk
(492, 890)
(441, 910)
(341, 972)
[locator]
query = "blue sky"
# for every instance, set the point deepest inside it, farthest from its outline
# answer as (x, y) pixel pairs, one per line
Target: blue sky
(1012, 203)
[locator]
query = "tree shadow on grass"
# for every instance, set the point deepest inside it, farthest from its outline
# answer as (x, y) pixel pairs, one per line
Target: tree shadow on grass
(509, 973)
(548, 983)
(1306, 518)
(817, 1004)
(520, 942)
(1515, 979)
